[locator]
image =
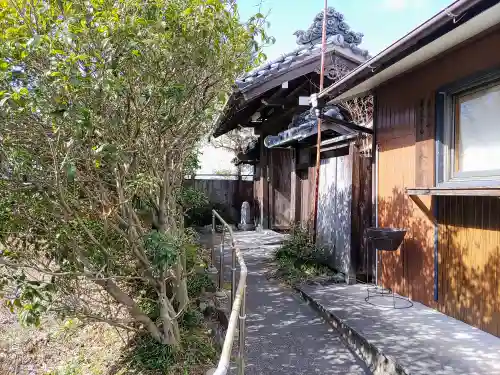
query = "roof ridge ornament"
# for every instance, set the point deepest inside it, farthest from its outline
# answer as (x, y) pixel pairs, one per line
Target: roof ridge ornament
(335, 25)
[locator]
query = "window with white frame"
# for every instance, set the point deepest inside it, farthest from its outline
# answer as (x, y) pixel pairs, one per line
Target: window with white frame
(470, 134)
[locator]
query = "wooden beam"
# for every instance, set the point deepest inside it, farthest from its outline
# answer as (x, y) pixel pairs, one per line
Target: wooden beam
(424, 208)
(472, 192)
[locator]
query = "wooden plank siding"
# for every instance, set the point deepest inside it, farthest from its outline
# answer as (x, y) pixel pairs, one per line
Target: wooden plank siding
(334, 209)
(280, 190)
(468, 227)
(469, 240)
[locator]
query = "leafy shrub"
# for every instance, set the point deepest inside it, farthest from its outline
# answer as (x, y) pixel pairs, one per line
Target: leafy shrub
(299, 258)
(150, 355)
(192, 318)
(201, 216)
(197, 283)
(299, 245)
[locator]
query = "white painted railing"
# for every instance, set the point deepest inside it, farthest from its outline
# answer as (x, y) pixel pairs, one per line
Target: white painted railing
(238, 296)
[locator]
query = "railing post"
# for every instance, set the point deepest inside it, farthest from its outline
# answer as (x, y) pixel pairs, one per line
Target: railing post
(221, 260)
(233, 274)
(241, 349)
(212, 269)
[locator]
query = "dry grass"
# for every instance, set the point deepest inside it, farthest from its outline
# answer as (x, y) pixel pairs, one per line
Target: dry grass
(69, 348)
(62, 348)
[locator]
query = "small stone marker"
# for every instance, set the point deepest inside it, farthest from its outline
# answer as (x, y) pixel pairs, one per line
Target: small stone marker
(246, 217)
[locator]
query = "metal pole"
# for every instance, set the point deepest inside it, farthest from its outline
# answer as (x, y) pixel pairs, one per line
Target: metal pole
(376, 210)
(212, 269)
(233, 275)
(318, 143)
(221, 260)
(241, 349)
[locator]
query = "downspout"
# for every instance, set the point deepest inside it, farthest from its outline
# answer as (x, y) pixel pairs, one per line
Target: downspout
(376, 207)
(375, 151)
(438, 136)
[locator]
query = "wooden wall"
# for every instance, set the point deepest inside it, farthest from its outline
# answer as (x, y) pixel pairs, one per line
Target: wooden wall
(468, 227)
(333, 226)
(273, 188)
(469, 269)
(340, 218)
(304, 190)
(280, 192)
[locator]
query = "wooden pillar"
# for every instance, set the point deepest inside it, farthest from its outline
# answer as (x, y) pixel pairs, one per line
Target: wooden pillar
(293, 188)
(355, 253)
(264, 193)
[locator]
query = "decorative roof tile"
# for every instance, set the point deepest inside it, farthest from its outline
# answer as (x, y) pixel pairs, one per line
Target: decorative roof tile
(303, 126)
(309, 47)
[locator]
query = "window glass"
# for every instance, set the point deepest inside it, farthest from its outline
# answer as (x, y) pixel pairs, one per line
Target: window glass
(477, 130)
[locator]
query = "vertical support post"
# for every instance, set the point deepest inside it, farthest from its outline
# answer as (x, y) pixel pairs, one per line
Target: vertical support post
(376, 208)
(241, 345)
(436, 249)
(221, 260)
(318, 141)
(212, 269)
(233, 275)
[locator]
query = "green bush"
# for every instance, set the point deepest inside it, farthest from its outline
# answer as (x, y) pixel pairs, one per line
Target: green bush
(299, 258)
(197, 348)
(148, 354)
(197, 283)
(299, 245)
(192, 318)
(202, 215)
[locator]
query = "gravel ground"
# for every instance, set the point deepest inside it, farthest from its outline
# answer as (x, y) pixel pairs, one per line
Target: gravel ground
(284, 335)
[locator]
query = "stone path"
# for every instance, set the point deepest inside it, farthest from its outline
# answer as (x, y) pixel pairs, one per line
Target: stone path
(284, 335)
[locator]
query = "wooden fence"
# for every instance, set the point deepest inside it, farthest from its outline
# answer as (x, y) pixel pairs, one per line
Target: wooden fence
(228, 193)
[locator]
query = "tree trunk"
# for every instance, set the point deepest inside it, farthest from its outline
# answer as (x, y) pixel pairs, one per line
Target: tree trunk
(181, 287)
(134, 310)
(168, 316)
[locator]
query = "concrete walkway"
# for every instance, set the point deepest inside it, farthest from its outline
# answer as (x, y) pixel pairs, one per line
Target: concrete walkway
(284, 334)
(416, 339)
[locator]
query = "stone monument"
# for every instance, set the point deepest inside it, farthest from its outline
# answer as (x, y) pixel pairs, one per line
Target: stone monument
(246, 217)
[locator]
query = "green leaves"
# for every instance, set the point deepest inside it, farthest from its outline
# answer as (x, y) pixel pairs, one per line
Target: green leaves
(191, 198)
(70, 172)
(101, 115)
(31, 300)
(162, 249)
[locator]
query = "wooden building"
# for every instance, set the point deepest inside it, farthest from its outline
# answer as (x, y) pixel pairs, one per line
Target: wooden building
(267, 100)
(437, 130)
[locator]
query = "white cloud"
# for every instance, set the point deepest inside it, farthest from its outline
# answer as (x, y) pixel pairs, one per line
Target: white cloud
(398, 5)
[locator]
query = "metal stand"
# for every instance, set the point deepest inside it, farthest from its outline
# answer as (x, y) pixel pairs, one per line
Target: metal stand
(378, 291)
(374, 290)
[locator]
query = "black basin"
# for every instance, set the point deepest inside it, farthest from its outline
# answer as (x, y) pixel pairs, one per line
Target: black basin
(386, 238)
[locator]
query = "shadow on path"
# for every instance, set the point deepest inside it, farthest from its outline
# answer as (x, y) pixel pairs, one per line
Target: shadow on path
(284, 335)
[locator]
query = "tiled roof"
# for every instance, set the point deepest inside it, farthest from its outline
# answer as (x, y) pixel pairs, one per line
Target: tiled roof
(309, 41)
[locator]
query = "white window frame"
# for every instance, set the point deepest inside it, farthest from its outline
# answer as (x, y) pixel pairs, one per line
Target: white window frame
(447, 176)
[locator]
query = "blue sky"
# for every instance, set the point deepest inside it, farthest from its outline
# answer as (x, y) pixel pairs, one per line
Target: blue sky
(381, 21)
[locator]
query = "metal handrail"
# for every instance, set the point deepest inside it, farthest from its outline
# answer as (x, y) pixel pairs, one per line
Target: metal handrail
(238, 297)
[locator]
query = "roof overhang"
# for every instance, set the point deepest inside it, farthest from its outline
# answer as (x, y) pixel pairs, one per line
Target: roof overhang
(242, 98)
(449, 29)
(307, 65)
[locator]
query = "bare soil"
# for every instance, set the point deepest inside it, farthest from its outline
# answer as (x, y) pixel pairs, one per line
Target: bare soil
(70, 348)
